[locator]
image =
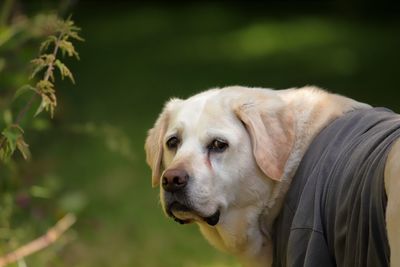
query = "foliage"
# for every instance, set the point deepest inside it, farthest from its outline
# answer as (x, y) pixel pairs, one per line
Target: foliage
(136, 57)
(44, 66)
(24, 202)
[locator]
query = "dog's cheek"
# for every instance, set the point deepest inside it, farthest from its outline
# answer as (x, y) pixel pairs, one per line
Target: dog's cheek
(200, 189)
(223, 186)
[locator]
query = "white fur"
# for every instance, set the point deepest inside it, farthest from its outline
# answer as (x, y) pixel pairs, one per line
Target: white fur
(232, 181)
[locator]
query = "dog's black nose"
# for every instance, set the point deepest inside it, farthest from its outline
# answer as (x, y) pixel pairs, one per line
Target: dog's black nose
(174, 180)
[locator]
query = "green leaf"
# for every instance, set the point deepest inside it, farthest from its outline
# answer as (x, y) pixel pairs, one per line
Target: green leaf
(64, 71)
(44, 86)
(70, 29)
(41, 107)
(45, 104)
(36, 70)
(23, 148)
(41, 62)
(24, 89)
(11, 135)
(48, 94)
(68, 47)
(6, 153)
(45, 45)
(75, 36)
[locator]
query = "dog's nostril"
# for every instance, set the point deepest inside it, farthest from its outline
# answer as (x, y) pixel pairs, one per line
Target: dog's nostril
(179, 180)
(174, 180)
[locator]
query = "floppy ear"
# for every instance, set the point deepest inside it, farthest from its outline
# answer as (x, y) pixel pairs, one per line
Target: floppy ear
(154, 142)
(271, 129)
(154, 147)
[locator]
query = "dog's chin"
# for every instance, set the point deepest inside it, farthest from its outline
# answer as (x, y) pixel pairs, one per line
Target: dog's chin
(184, 215)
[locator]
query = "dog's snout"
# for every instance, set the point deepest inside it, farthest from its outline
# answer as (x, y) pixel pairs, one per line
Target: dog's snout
(174, 180)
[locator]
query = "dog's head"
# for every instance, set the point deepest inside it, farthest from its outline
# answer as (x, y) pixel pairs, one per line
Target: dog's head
(219, 151)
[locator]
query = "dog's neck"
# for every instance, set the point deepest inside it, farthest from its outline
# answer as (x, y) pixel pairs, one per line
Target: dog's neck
(313, 109)
(246, 233)
(240, 235)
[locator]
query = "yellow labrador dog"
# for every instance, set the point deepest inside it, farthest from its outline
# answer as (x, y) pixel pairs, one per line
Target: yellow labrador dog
(225, 159)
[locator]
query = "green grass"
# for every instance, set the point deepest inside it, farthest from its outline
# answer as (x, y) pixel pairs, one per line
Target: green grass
(135, 58)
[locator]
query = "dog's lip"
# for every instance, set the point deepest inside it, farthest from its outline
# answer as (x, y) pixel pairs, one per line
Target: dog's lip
(176, 210)
(213, 219)
(178, 207)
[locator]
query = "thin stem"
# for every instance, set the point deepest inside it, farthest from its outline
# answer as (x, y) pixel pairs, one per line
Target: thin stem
(50, 67)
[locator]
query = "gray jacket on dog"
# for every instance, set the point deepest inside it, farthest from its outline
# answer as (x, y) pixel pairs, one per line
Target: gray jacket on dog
(334, 212)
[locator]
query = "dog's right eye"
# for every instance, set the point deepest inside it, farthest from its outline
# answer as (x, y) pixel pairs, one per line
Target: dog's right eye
(173, 142)
(218, 146)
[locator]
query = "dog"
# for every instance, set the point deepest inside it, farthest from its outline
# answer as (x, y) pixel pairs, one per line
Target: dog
(225, 160)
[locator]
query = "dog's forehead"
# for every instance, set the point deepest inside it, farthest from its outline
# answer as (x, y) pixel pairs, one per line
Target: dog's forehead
(200, 111)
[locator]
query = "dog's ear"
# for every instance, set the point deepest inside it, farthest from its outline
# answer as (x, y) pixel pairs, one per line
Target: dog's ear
(154, 147)
(271, 129)
(154, 143)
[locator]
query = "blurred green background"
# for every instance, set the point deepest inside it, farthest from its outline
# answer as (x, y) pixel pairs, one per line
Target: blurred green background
(137, 56)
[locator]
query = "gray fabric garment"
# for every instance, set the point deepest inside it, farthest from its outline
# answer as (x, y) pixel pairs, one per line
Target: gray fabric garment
(334, 212)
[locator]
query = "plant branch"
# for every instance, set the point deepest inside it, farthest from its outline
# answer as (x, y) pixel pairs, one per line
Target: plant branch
(47, 75)
(40, 243)
(50, 67)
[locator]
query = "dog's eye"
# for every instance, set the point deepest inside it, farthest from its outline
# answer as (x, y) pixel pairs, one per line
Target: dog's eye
(217, 146)
(173, 142)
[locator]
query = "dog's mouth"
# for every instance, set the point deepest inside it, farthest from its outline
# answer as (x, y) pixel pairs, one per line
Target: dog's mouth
(184, 214)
